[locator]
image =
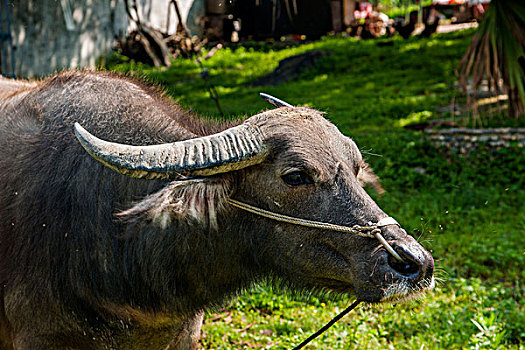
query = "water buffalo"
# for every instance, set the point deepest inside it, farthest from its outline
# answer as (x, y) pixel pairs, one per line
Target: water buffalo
(124, 246)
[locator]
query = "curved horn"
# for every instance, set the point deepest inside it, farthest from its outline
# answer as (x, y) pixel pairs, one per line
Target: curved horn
(229, 150)
(274, 101)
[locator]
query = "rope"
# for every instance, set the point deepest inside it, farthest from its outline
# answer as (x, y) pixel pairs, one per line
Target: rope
(328, 325)
(369, 231)
(362, 231)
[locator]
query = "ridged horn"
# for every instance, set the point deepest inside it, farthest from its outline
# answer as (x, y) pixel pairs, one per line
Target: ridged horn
(274, 101)
(232, 149)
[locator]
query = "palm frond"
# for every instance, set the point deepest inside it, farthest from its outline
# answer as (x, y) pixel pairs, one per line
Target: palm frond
(497, 54)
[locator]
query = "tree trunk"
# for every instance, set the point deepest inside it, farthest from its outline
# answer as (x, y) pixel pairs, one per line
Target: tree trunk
(348, 10)
(515, 104)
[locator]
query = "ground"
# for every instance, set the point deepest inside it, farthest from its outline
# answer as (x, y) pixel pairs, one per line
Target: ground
(467, 211)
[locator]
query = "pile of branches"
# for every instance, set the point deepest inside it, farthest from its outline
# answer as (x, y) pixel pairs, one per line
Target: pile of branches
(154, 47)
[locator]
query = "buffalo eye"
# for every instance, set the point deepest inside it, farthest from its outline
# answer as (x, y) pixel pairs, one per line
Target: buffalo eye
(297, 178)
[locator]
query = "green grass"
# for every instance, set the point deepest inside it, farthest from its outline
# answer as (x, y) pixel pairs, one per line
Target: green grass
(468, 210)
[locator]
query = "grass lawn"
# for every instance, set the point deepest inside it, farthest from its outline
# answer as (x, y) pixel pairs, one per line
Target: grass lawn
(469, 211)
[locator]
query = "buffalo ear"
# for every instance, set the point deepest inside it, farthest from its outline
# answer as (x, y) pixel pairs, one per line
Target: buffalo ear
(196, 201)
(366, 176)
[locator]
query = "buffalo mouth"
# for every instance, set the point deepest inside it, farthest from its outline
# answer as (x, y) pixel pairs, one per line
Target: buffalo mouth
(389, 280)
(403, 291)
(411, 277)
(378, 278)
(398, 291)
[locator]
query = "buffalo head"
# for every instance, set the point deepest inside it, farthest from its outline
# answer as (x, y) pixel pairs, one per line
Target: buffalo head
(290, 161)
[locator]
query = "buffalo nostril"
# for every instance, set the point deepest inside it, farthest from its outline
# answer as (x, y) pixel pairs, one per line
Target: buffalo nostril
(406, 268)
(409, 267)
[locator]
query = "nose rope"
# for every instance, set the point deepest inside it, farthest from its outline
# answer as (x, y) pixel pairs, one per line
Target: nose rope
(369, 231)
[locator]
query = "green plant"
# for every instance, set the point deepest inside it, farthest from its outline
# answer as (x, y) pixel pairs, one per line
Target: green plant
(497, 52)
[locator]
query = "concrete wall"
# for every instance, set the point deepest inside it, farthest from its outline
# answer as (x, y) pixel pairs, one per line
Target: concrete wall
(51, 35)
(155, 12)
(465, 140)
